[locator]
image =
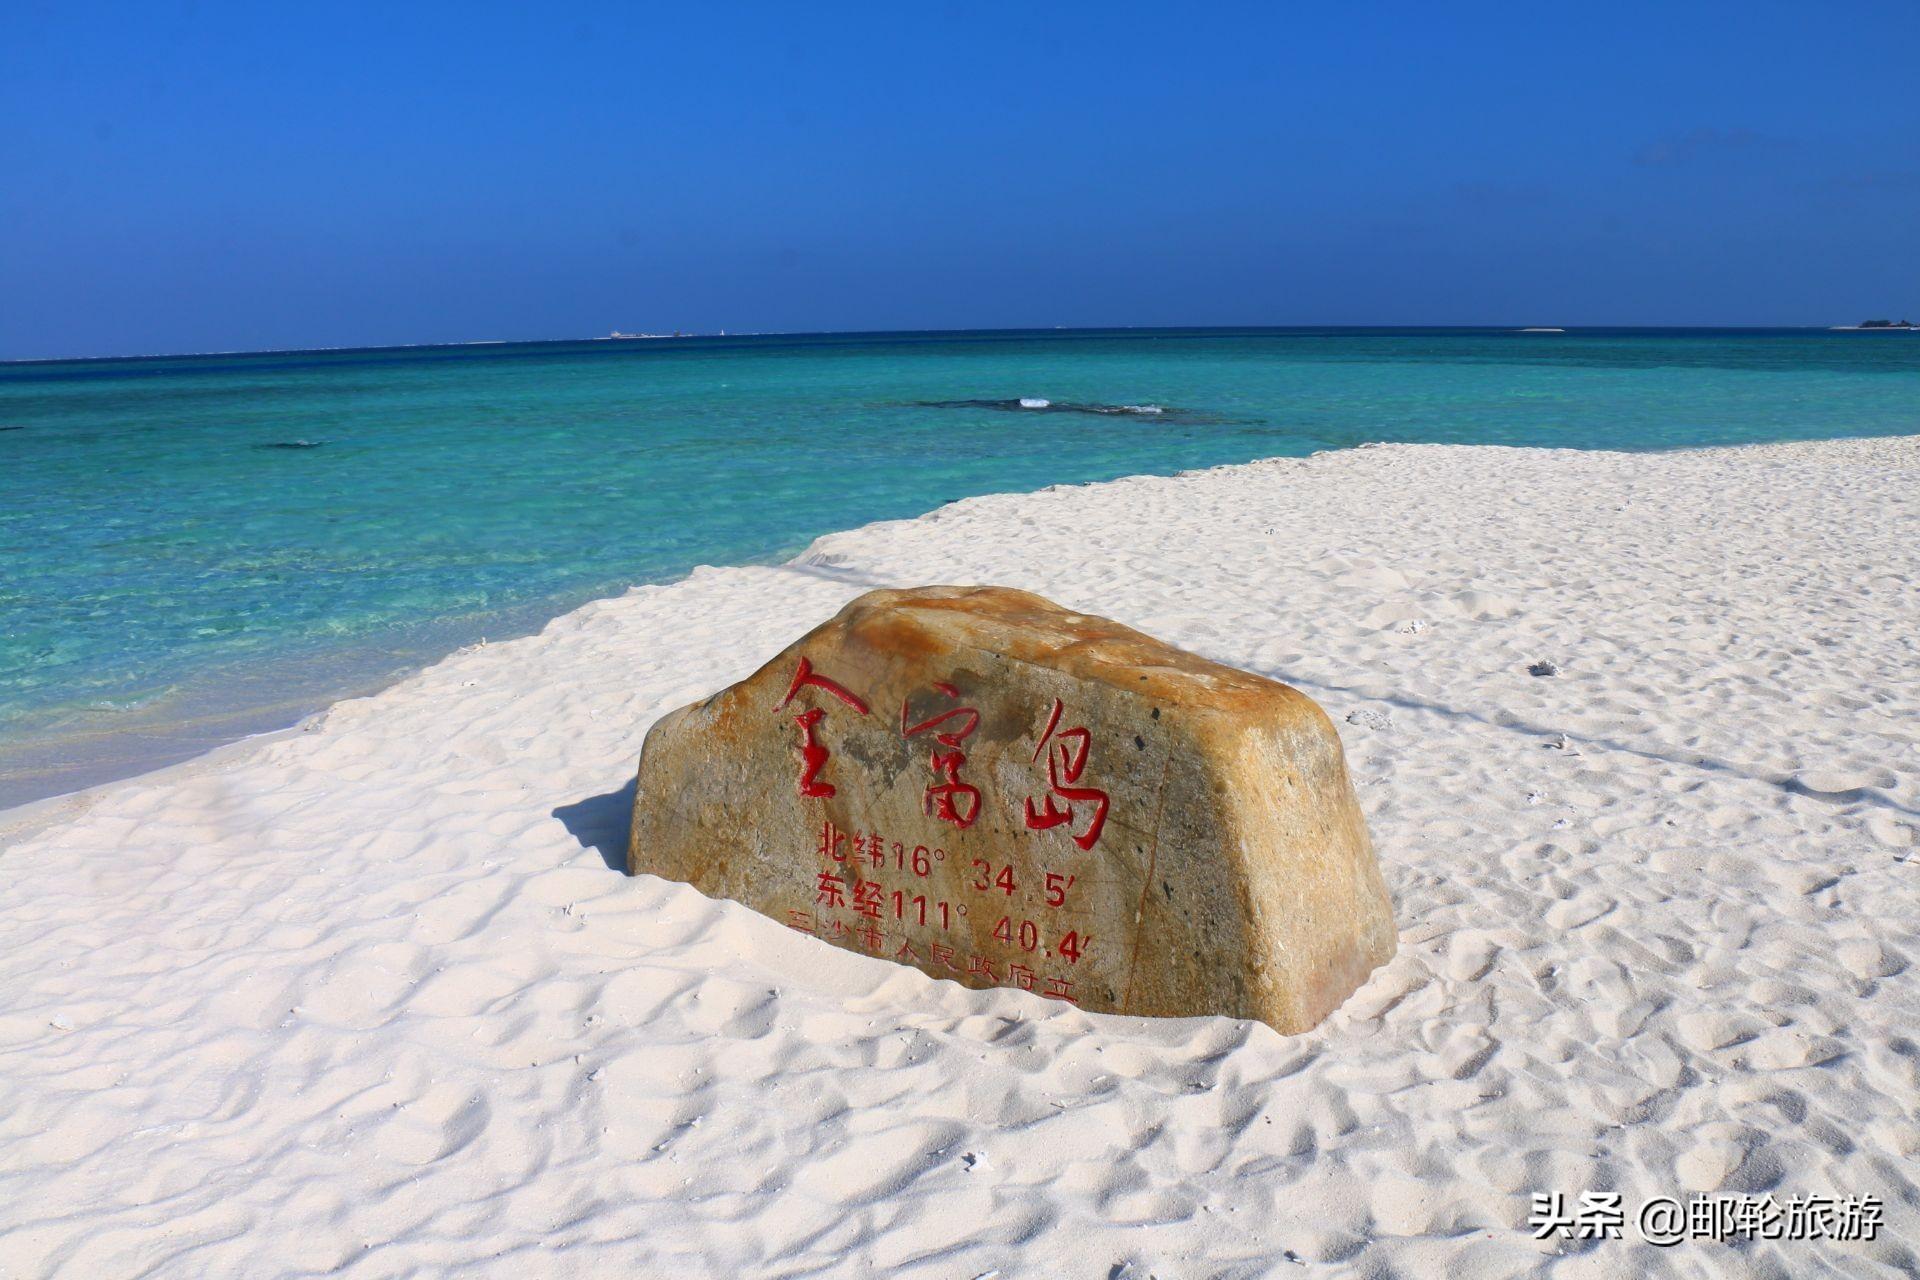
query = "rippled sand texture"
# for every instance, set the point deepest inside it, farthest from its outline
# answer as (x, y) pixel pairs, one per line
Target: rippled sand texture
(368, 999)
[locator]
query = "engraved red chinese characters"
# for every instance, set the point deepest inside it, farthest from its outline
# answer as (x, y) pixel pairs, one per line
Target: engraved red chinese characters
(813, 753)
(947, 797)
(1065, 763)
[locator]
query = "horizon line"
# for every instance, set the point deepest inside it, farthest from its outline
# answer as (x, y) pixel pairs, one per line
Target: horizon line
(723, 335)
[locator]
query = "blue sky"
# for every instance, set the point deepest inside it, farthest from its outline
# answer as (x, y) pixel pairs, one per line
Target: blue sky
(203, 176)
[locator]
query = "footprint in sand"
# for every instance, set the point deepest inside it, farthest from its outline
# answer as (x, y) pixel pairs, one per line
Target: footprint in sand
(1842, 784)
(433, 1126)
(1483, 606)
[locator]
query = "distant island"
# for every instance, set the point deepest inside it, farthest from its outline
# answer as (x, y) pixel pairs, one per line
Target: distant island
(1875, 324)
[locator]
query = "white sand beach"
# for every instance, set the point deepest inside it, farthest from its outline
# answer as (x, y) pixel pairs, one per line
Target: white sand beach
(370, 998)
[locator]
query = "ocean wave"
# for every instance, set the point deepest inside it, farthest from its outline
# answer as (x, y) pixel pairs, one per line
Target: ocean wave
(1037, 404)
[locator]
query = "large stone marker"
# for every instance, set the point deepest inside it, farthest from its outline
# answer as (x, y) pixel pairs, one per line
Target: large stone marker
(991, 788)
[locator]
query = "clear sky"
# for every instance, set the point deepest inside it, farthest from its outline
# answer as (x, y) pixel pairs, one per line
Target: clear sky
(187, 177)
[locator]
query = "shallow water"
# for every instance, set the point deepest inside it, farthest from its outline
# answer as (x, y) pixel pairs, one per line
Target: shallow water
(197, 548)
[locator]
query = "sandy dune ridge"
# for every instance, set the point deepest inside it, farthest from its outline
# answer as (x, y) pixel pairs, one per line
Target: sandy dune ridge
(368, 999)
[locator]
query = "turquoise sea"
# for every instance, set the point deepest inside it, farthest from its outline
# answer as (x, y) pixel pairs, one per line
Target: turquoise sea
(198, 548)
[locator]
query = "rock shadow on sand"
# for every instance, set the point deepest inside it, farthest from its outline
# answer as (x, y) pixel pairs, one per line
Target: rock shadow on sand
(600, 823)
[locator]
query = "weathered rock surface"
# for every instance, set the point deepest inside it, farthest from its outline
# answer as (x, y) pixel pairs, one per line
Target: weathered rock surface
(999, 791)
